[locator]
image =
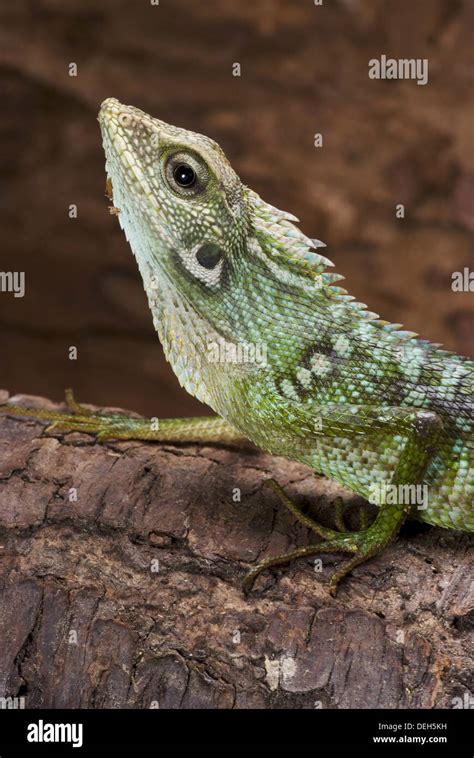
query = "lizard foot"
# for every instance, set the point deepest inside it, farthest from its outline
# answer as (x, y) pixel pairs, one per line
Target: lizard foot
(80, 419)
(362, 544)
(108, 425)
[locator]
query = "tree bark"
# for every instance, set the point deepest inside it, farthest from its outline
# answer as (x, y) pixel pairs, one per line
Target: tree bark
(121, 585)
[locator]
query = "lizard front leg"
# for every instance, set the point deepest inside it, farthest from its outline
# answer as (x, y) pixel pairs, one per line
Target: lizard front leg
(421, 430)
(120, 426)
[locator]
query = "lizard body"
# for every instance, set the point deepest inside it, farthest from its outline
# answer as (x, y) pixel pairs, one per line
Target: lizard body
(356, 398)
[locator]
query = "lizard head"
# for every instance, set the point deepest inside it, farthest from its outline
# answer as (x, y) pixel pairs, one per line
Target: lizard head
(214, 257)
(178, 199)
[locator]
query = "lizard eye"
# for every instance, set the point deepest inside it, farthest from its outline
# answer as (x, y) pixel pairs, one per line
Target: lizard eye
(186, 173)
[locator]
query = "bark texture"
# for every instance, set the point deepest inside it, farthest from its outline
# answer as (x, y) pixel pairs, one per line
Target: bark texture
(130, 595)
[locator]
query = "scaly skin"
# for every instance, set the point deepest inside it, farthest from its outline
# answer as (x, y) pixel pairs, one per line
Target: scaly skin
(353, 396)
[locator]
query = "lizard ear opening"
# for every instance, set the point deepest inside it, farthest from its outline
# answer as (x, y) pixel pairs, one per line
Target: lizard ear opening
(209, 255)
(205, 263)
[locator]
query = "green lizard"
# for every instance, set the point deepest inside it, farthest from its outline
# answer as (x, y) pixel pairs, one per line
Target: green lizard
(254, 325)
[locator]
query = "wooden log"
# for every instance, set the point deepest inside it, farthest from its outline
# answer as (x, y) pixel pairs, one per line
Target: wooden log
(121, 568)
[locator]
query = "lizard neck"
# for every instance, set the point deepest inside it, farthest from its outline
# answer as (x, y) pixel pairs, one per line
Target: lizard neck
(197, 352)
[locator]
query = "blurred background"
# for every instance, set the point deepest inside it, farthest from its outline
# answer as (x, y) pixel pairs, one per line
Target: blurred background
(304, 70)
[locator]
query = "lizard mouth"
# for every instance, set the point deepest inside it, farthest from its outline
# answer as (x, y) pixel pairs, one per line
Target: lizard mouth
(108, 194)
(109, 189)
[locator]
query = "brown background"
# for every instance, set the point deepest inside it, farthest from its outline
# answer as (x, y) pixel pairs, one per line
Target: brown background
(398, 633)
(304, 70)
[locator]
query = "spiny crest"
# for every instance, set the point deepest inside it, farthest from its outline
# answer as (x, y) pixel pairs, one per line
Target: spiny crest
(287, 248)
(285, 244)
